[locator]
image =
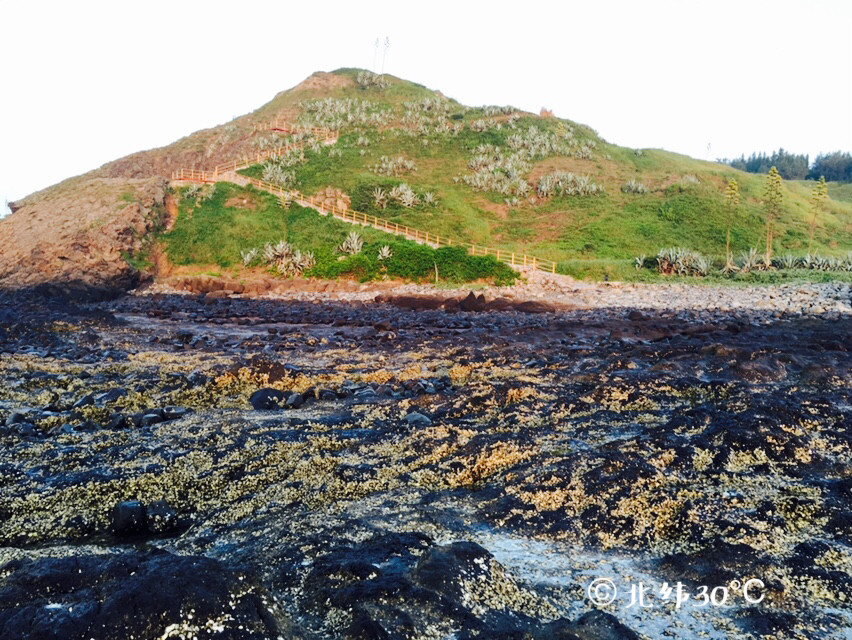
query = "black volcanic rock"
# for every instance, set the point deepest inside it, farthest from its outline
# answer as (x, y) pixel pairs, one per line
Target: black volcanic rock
(473, 302)
(131, 595)
(265, 399)
(127, 517)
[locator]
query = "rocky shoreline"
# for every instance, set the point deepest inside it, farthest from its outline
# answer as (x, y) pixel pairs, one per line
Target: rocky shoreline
(413, 463)
(828, 300)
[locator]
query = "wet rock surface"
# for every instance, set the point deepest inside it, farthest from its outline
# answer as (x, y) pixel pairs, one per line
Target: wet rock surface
(131, 595)
(330, 470)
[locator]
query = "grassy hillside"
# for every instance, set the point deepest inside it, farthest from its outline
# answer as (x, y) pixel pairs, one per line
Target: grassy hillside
(683, 203)
(221, 223)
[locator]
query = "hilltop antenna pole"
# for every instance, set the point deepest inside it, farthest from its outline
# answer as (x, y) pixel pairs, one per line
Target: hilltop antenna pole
(375, 55)
(385, 54)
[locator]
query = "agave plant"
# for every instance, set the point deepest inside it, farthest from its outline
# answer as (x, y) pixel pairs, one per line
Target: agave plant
(700, 265)
(352, 245)
(683, 262)
(273, 253)
(295, 263)
(830, 264)
(810, 261)
(584, 152)
(429, 198)
(405, 195)
(639, 262)
(276, 174)
(567, 184)
(730, 266)
(546, 186)
(750, 260)
(385, 253)
(408, 199)
(787, 261)
(368, 79)
(634, 186)
(249, 256)
(380, 197)
(393, 166)
(479, 125)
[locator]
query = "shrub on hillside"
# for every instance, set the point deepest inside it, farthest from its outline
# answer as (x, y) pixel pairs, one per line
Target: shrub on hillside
(384, 197)
(352, 245)
(410, 261)
(814, 262)
(565, 183)
(682, 262)
(278, 175)
(368, 79)
(393, 166)
(634, 186)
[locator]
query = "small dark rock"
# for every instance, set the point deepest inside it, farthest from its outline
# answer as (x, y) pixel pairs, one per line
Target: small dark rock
(416, 419)
(127, 517)
(197, 379)
(473, 302)
(151, 418)
(173, 413)
(599, 625)
(110, 396)
(266, 399)
(117, 421)
(25, 429)
(16, 417)
(85, 401)
(160, 517)
(295, 401)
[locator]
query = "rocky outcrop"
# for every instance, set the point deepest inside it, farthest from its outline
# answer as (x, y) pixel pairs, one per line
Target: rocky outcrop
(76, 236)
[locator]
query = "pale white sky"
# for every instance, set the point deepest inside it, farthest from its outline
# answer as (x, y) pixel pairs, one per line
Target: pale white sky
(83, 83)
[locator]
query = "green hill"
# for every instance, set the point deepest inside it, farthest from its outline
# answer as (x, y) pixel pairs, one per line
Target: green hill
(492, 176)
(682, 203)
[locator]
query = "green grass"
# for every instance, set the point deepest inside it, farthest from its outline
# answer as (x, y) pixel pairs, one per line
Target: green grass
(215, 232)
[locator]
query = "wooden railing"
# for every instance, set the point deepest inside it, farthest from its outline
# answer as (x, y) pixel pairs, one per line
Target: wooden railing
(348, 215)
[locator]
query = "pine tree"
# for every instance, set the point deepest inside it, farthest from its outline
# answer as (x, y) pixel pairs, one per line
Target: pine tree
(772, 205)
(732, 201)
(818, 196)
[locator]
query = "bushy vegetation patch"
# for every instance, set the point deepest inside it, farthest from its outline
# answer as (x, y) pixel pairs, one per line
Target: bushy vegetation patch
(235, 226)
